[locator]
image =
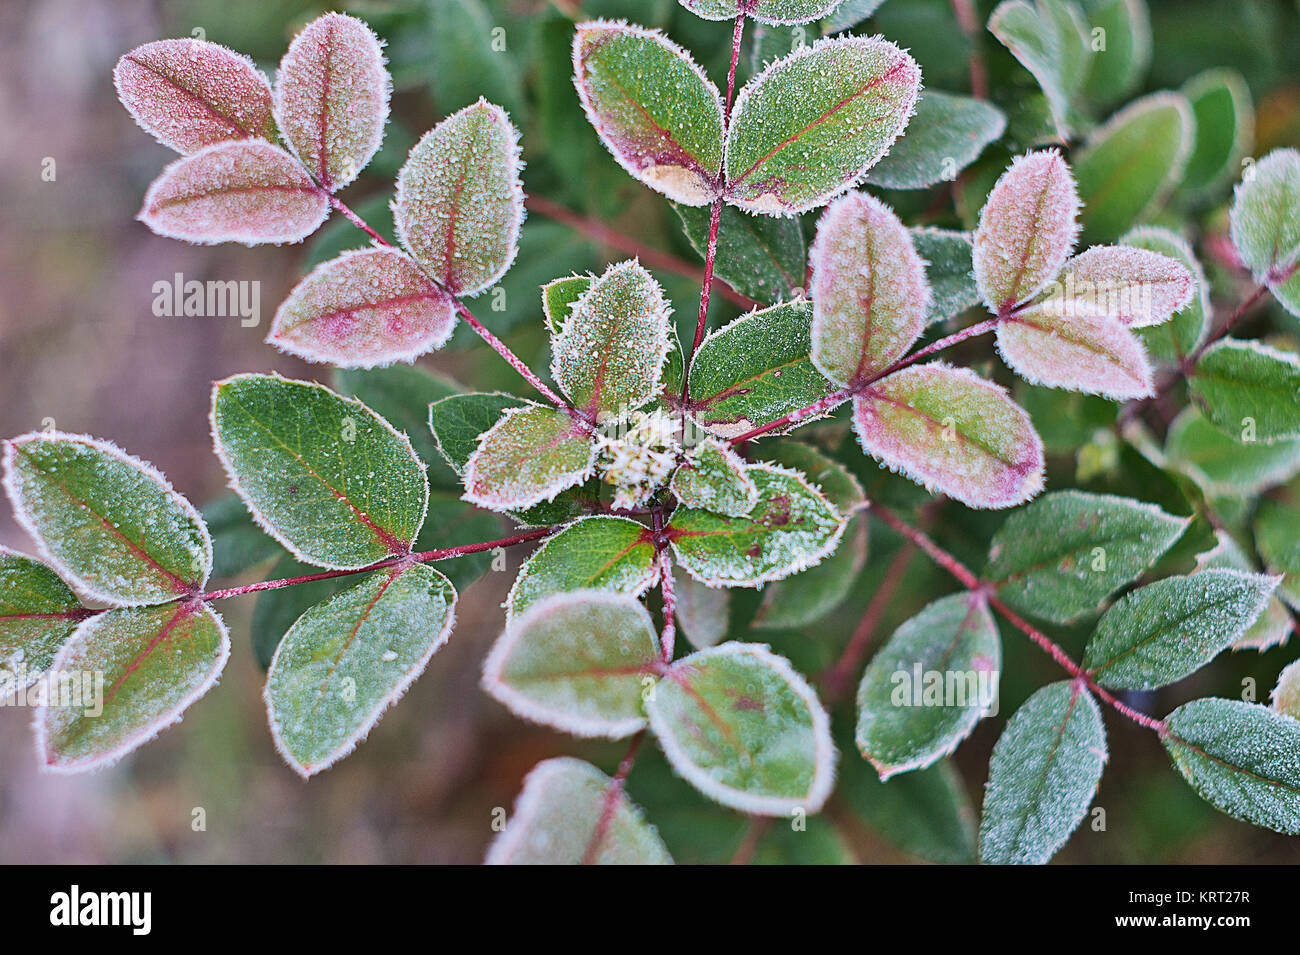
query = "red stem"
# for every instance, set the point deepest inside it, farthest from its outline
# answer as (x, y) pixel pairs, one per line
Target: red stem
(357, 221)
(611, 800)
(516, 362)
(968, 20)
(817, 407)
(669, 638)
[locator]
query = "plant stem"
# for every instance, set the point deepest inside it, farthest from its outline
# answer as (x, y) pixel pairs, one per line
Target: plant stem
(832, 400)
(968, 20)
(610, 803)
(759, 826)
(669, 638)
(356, 220)
(516, 362)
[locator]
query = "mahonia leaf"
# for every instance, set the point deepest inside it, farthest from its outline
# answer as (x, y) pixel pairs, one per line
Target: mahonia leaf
(592, 553)
(742, 727)
(946, 135)
(37, 614)
(581, 661)
(324, 475)
(1266, 224)
(1249, 390)
(1026, 230)
(1285, 697)
(368, 307)
(529, 456)
(108, 522)
(870, 296)
(609, 355)
(1279, 545)
(348, 659)
(1225, 130)
(758, 256)
(949, 270)
(703, 613)
(559, 297)
(810, 125)
(1047, 38)
(331, 98)
(714, 478)
(188, 93)
(570, 813)
(249, 192)
(953, 432)
(1240, 758)
(653, 108)
(1223, 466)
(1182, 335)
(460, 203)
(1043, 776)
(774, 12)
(1061, 556)
(1273, 627)
(929, 685)
(153, 662)
(791, 528)
(1165, 631)
(1136, 286)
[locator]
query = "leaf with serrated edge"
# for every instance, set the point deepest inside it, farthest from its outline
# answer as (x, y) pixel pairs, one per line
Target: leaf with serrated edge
(946, 135)
(366, 308)
(1043, 775)
(249, 192)
(107, 522)
(460, 203)
(529, 456)
(580, 661)
(331, 98)
(713, 478)
(559, 297)
(324, 475)
(1249, 389)
(1165, 631)
(810, 125)
(569, 813)
(870, 296)
(1170, 342)
(609, 356)
(1285, 697)
(653, 108)
(742, 727)
(189, 93)
(791, 528)
(348, 659)
(1136, 286)
(1273, 627)
(1026, 230)
(1061, 556)
(929, 685)
(951, 431)
(773, 12)
(154, 662)
(37, 614)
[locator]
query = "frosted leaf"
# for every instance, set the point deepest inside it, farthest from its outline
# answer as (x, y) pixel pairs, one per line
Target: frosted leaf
(581, 661)
(870, 296)
(1026, 230)
(249, 192)
(609, 355)
(1266, 224)
(1048, 38)
(1246, 384)
(365, 308)
(460, 203)
(1223, 466)
(948, 270)
(346, 660)
(331, 98)
(189, 93)
(560, 295)
(108, 522)
(154, 661)
(1183, 334)
(714, 478)
(1286, 695)
(569, 813)
(653, 108)
(953, 432)
(1273, 627)
(1279, 545)
(946, 135)
(37, 614)
(1136, 286)
(773, 12)
(529, 456)
(1062, 343)
(808, 126)
(758, 256)
(703, 613)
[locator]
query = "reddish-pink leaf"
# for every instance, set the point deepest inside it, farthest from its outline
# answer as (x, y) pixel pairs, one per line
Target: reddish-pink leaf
(250, 192)
(1063, 344)
(1136, 286)
(1026, 230)
(189, 94)
(331, 98)
(367, 307)
(954, 432)
(870, 295)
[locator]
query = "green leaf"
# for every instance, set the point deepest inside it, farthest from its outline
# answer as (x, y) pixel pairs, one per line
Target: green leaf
(808, 126)
(1225, 130)
(949, 270)
(745, 729)
(653, 108)
(1179, 337)
(324, 475)
(581, 661)
(463, 45)
(1249, 390)
(458, 421)
(929, 685)
(1115, 71)
(1061, 556)
(946, 135)
(569, 813)
(106, 521)
(1266, 224)
(609, 355)
(713, 478)
(755, 370)
(925, 813)
(348, 659)
(833, 479)
(848, 14)
(1224, 466)
(791, 528)
(1274, 625)
(529, 456)
(703, 613)
(1279, 545)
(1048, 40)
(759, 257)
(1130, 163)
(1165, 631)
(1240, 758)
(1286, 695)
(238, 544)
(559, 297)
(1043, 776)
(147, 664)
(592, 553)
(764, 11)
(37, 614)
